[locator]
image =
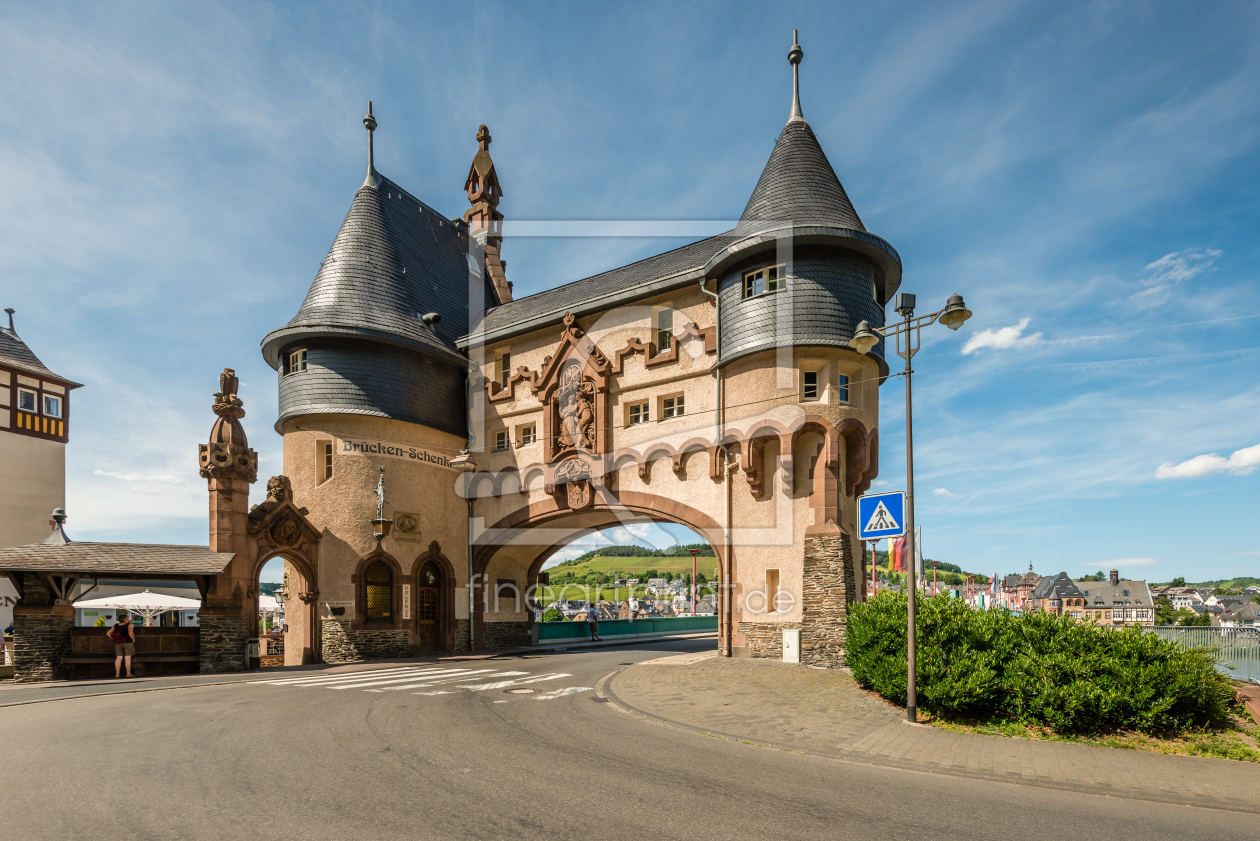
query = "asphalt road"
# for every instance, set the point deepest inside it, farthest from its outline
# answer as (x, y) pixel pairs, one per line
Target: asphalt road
(428, 752)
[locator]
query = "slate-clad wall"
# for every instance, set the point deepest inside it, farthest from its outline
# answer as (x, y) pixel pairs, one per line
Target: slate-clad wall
(366, 378)
(40, 642)
(829, 291)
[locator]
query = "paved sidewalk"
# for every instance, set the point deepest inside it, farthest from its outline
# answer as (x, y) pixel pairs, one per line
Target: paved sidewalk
(825, 712)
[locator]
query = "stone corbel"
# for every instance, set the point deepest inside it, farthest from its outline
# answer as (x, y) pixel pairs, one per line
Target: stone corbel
(307, 598)
(785, 460)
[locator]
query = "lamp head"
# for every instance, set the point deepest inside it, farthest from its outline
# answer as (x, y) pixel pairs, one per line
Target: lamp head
(955, 313)
(864, 339)
(463, 462)
(381, 527)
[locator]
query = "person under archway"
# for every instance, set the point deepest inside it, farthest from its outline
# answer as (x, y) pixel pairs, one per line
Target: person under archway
(592, 619)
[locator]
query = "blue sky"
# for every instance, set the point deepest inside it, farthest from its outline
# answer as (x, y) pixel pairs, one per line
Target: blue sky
(1083, 173)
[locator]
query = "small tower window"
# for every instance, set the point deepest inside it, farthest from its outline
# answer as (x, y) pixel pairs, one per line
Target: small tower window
(809, 385)
(672, 407)
(26, 400)
(324, 461)
(761, 281)
(843, 389)
(664, 330)
(526, 435)
(52, 406)
(297, 361)
(500, 440)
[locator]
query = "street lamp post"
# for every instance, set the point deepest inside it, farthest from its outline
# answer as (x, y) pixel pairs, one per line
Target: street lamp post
(465, 465)
(907, 334)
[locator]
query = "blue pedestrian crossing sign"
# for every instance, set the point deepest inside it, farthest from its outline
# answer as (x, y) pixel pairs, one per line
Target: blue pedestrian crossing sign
(882, 515)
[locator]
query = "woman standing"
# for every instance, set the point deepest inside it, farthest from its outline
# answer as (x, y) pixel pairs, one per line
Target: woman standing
(123, 636)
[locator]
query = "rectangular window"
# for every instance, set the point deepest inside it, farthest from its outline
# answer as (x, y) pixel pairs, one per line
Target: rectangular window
(26, 400)
(503, 367)
(52, 406)
(638, 414)
(672, 407)
(664, 330)
(323, 461)
(526, 435)
(843, 389)
(297, 361)
(759, 282)
(809, 385)
(500, 440)
(772, 591)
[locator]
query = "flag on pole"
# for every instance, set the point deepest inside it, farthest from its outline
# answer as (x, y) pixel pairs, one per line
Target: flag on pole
(918, 551)
(899, 552)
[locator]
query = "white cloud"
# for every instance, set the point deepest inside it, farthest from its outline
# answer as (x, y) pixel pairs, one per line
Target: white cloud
(165, 479)
(1240, 463)
(1002, 338)
(943, 492)
(1170, 270)
(1121, 563)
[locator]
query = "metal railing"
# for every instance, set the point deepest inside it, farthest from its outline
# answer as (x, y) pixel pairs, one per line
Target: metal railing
(1238, 649)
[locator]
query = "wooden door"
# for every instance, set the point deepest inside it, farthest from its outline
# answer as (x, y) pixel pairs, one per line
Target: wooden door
(427, 617)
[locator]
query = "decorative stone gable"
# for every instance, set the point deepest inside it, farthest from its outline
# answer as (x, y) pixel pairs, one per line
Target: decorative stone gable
(281, 528)
(573, 388)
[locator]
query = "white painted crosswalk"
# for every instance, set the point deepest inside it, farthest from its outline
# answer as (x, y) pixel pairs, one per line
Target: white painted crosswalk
(438, 680)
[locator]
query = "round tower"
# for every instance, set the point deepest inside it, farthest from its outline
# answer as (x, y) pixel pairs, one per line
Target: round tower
(369, 378)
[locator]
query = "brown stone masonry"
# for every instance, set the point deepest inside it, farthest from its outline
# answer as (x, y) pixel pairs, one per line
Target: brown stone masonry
(222, 644)
(40, 642)
(342, 645)
(828, 588)
(508, 634)
(765, 639)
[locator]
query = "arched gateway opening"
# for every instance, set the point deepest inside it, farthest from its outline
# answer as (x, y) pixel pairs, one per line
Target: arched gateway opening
(509, 555)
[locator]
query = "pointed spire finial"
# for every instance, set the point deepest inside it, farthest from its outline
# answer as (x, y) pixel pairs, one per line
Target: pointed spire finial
(794, 56)
(373, 177)
(10, 311)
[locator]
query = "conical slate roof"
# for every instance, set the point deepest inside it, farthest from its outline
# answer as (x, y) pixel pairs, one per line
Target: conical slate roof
(394, 260)
(799, 186)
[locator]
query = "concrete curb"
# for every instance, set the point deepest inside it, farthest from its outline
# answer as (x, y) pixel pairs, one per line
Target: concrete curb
(609, 682)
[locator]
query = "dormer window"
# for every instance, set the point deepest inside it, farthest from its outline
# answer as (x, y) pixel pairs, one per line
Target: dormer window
(761, 281)
(296, 362)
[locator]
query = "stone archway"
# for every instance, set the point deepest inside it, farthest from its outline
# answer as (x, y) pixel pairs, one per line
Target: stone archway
(278, 529)
(522, 542)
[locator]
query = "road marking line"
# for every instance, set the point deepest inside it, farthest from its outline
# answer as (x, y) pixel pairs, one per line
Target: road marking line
(412, 674)
(404, 679)
(502, 684)
(560, 693)
(448, 679)
(439, 692)
(294, 680)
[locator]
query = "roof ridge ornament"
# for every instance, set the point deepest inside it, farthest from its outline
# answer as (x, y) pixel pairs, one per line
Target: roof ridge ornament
(794, 56)
(373, 177)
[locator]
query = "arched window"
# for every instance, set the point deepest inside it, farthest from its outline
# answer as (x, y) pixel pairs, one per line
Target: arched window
(379, 581)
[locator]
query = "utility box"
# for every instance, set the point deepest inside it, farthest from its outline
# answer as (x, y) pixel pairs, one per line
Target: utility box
(252, 660)
(792, 645)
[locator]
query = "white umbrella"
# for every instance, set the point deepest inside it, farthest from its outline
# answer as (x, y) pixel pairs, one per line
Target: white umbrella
(148, 605)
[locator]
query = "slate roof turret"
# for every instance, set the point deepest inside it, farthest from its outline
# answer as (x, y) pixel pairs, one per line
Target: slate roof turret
(394, 260)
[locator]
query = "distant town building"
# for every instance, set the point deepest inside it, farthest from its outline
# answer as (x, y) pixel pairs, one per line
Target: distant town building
(1017, 590)
(1113, 602)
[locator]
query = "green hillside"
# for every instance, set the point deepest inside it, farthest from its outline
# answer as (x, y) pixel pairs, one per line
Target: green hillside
(599, 569)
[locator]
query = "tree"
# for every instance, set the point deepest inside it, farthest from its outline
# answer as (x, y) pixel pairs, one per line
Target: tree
(1098, 576)
(1178, 582)
(1197, 619)
(552, 615)
(1165, 613)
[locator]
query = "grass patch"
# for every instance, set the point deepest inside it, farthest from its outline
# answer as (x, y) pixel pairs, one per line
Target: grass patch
(1238, 739)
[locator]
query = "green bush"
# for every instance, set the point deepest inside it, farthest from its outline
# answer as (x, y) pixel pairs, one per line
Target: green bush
(552, 615)
(1071, 676)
